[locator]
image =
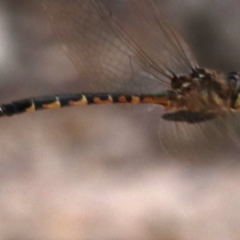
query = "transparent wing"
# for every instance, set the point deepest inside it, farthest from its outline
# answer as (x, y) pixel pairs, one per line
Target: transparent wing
(214, 140)
(127, 45)
(120, 45)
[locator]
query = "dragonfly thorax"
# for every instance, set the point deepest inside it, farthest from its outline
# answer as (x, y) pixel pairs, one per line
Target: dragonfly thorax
(204, 90)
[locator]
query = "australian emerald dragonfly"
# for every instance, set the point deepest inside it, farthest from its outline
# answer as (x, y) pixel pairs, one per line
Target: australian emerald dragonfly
(138, 59)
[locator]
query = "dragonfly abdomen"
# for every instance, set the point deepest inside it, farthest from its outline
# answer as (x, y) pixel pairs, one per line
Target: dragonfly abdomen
(79, 99)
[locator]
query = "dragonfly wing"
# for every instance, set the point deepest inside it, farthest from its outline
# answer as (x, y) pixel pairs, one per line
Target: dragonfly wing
(120, 45)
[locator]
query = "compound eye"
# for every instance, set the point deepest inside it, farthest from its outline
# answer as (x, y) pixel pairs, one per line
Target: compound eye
(233, 76)
(187, 84)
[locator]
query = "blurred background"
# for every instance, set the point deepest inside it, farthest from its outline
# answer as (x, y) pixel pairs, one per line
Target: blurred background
(100, 172)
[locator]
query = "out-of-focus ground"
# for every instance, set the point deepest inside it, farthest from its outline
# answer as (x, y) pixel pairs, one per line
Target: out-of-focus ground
(99, 172)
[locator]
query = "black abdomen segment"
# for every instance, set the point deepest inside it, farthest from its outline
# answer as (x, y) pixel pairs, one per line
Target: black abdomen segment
(63, 100)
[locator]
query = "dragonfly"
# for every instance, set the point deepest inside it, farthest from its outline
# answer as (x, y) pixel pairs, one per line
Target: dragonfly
(128, 49)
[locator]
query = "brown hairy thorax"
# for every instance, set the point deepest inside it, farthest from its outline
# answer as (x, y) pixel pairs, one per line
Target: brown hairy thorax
(203, 90)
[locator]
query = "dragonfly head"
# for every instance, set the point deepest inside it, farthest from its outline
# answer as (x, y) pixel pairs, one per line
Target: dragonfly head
(233, 80)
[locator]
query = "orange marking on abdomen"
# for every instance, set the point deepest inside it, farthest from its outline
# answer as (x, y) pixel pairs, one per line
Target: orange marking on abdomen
(157, 100)
(135, 99)
(98, 100)
(31, 108)
(122, 99)
(82, 101)
(55, 104)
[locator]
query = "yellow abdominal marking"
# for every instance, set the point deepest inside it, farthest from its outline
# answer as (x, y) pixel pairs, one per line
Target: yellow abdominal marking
(82, 101)
(148, 100)
(55, 104)
(153, 100)
(122, 99)
(163, 101)
(135, 99)
(99, 100)
(31, 108)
